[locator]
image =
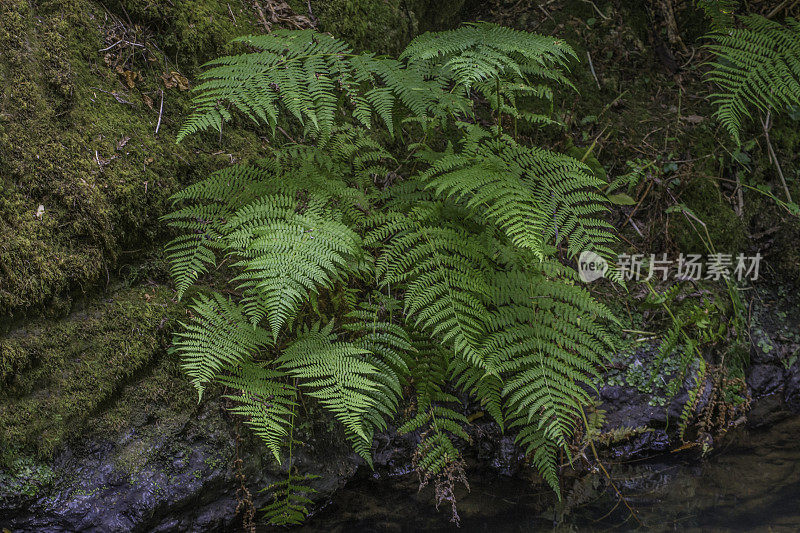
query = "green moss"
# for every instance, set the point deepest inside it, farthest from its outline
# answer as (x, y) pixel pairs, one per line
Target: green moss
(78, 141)
(381, 26)
(191, 32)
(725, 229)
(24, 476)
(69, 369)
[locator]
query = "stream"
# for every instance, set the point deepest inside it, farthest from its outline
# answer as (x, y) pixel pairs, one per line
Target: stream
(750, 483)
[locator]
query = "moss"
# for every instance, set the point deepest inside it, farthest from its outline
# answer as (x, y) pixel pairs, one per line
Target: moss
(74, 366)
(163, 394)
(381, 26)
(191, 32)
(725, 228)
(24, 476)
(76, 139)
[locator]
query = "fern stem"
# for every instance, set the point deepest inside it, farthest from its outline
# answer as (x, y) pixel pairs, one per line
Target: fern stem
(605, 472)
(499, 110)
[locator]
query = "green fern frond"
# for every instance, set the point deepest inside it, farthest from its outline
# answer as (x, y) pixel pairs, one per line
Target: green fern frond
(290, 503)
(721, 13)
(488, 389)
(484, 56)
(547, 337)
(211, 202)
(543, 450)
(286, 255)
(757, 67)
(442, 269)
(308, 75)
(218, 338)
(534, 195)
(265, 400)
(484, 51)
(568, 192)
(337, 374)
(462, 245)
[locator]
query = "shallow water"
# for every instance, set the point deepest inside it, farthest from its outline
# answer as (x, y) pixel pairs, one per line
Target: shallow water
(751, 483)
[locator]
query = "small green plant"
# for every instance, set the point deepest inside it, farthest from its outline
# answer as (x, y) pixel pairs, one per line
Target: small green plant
(398, 242)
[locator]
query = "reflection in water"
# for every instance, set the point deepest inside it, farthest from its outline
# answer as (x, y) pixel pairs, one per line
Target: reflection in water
(752, 483)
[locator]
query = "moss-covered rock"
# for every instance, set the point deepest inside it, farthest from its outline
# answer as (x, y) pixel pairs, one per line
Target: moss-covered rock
(56, 375)
(83, 175)
(190, 32)
(382, 26)
(725, 229)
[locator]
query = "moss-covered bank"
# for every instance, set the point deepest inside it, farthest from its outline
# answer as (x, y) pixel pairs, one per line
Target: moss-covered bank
(56, 376)
(80, 99)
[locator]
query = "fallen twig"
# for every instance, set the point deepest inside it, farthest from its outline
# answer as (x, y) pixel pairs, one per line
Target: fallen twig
(591, 67)
(160, 111)
(766, 125)
(602, 15)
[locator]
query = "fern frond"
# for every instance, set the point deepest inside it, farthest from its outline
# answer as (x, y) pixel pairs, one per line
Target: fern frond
(757, 67)
(547, 338)
(442, 269)
(218, 337)
(719, 12)
(307, 74)
(388, 346)
(338, 375)
(482, 56)
(543, 449)
(212, 201)
(286, 255)
(290, 503)
(485, 51)
(464, 246)
(265, 400)
(535, 196)
(567, 191)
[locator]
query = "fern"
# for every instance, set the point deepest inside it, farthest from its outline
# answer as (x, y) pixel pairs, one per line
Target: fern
(213, 201)
(218, 338)
(757, 67)
(265, 400)
(444, 284)
(719, 12)
(355, 268)
(385, 346)
(336, 374)
(306, 74)
(285, 255)
(436, 418)
(534, 195)
(290, 504)
(500, 63)
(547, 339)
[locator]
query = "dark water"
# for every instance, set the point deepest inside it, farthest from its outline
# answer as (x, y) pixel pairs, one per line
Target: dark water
(751, 483)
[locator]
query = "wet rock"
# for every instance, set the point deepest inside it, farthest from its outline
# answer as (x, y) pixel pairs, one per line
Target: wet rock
(792, 389)
(764, 379)
(183, 480)
(495, 451)
(643, 445)
(766, 411)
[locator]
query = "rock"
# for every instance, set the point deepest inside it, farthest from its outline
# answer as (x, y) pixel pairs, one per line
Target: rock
(764, 379)
(792, 389)
(644, 445)
(180, 479)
